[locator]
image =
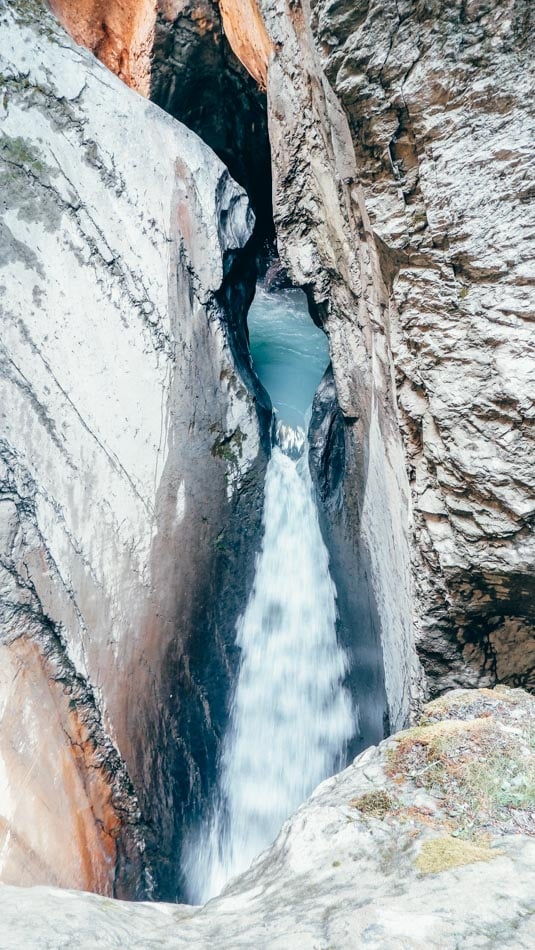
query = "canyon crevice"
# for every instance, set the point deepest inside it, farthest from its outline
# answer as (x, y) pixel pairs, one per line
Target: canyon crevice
(390, 157)
(383, 149)
(378, 212)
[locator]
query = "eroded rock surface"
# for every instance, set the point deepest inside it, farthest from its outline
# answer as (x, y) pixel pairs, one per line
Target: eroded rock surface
(400, 139)
(130, 454)
(401, 163)
(435, 857)
(439, 104)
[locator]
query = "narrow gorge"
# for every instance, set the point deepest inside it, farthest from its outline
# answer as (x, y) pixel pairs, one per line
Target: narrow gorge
(267, 561)
(291, 717)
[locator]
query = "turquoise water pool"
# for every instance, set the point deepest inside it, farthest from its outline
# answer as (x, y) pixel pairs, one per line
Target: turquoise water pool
(290, 353)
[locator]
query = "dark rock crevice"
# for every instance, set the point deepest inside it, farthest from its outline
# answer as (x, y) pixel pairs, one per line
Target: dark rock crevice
(197, 79)
(177, 725)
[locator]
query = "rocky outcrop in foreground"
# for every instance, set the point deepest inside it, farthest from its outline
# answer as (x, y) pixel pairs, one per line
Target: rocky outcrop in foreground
(425, 842)
(129, 458)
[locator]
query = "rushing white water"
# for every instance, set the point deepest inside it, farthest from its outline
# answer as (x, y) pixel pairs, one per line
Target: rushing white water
(291, 716)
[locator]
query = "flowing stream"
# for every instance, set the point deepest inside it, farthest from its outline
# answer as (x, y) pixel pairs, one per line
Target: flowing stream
(291, 717)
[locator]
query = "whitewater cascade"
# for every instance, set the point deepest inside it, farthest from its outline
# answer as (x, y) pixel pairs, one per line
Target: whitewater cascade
(291, 716)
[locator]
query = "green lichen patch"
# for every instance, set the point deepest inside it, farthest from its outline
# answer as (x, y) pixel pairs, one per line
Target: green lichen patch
(35, 13)
(19, 151)
(376, 804)
(472, 704)
(27, 181)
(229, 447)
(442, 854)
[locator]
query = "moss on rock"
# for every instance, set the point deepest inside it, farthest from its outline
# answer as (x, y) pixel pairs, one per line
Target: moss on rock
(374, 804)
(442, 854)
(230, 447)
(480, 769)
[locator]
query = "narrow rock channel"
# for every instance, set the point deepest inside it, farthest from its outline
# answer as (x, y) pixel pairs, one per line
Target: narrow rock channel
(291, 715)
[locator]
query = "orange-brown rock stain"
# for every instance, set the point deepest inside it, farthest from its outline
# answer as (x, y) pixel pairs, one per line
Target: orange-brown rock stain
(119, 32)
(58, 824)
(247, 35)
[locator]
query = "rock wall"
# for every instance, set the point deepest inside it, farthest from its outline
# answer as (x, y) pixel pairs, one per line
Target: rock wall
(177, 52)
(198, 79)
(130, 456)
(325, 239)
(400, 151)
(322, 237)
(399, 145)
(439, 106)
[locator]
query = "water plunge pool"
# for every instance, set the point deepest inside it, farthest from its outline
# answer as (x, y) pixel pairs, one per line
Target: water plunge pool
(290, 353)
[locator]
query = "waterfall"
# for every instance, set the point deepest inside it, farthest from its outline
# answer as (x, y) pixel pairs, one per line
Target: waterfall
(291, 716)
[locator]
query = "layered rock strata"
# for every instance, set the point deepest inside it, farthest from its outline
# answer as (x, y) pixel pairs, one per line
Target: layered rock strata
(131, 468)
(424, 842)
(401, 197)
(438, 100)
(400, 145)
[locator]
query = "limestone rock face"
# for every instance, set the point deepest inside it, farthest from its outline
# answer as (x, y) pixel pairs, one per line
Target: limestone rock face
(400, 139)
(177, 53)
(436, 856)
(400, 151)
(130, 453)
(198, 79)
(438, 100)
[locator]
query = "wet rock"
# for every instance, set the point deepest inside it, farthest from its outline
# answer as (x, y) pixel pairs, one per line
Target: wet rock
(276, 277)
(400, 144)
